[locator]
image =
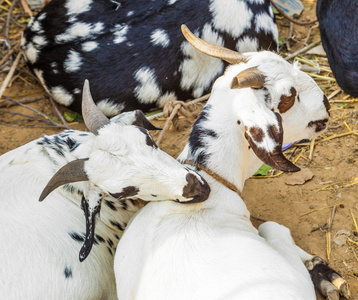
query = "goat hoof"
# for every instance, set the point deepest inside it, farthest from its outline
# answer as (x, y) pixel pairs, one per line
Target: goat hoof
(327, 281)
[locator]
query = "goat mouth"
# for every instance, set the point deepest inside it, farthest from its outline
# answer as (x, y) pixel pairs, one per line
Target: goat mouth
(318, 125)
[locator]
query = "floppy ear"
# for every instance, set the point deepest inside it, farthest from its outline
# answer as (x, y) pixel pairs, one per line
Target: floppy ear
(136, 118)
(91, 206)
(264, 132)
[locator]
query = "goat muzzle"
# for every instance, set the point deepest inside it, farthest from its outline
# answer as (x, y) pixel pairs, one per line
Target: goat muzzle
(319, 125)
(197, 189)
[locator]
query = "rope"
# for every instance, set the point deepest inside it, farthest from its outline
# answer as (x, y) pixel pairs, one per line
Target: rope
(216, 176)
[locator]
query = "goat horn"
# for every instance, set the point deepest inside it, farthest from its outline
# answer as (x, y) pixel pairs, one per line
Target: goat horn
(92, 116)
(71, 172)
(250, 77)
(232, 57)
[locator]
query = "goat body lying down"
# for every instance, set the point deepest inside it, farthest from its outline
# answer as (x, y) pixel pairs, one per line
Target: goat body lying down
(117, 163)
(132, 51)
(210, 250)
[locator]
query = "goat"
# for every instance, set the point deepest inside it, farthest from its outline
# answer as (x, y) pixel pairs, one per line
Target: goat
(132, 52)
(117, 164)
(338, 23)
(210, 250)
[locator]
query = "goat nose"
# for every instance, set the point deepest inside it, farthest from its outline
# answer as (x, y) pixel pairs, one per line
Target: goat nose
(319, 125)
(197, 189)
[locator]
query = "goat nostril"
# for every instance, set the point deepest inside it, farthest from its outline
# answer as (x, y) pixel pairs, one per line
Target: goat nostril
(319, 125)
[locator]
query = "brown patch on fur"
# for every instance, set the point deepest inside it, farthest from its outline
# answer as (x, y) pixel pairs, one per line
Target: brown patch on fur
(257, 134)
(286, 102)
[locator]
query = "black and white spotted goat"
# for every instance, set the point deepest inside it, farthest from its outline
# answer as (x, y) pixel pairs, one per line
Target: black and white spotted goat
(117, 163)
(210, 250)
(338, 24)
(133, 53)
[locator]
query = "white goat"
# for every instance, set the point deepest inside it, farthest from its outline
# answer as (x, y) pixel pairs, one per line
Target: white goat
(211, 250)
(117, 164)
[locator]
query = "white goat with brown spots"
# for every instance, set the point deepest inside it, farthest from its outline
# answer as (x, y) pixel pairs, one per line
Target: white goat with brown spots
(210, 250)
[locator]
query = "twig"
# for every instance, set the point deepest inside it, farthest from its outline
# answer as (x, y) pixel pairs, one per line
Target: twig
(24, 100)
(354, 221)
(26, 7)
(65, 124)
(10, 74)
(22, 115)
(289, 37)
(7, 55)
(30, 126)
(334, 94)
(322, 77)
(329, 227)
(303, 50)
(307, 62)
(328, 242)
(282, 12)
(36, 111)
(311, 149)
(318, 209)
(167, 124)
(7, 23)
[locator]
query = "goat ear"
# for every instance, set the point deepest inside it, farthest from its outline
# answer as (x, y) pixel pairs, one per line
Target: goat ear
(71, 172)
(91, 207)
(250, 77)
(266, 142)
(141, 120)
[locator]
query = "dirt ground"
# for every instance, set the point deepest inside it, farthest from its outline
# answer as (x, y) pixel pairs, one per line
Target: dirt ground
(302, 208)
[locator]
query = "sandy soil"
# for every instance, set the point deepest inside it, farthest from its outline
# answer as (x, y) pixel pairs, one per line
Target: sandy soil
(334, 161)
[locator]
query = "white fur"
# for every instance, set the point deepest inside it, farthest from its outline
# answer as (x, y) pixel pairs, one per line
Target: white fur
(120, 33)
(75, 7)
(148, 90)
(266, 23)
(31, 52)
(89, 46)
(61, 95)
(164, 99)
(36, 249)
(231, 16)
(79, 30)
(160, 37)
(109, 108)
(39, 41)
(200, 69)
(247, 44)
(211, 250)
(73, 62)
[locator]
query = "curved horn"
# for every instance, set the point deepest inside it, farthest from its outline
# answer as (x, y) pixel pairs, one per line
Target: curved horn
(232, 57)
(92, 116)
(250, 77)
(71, 172)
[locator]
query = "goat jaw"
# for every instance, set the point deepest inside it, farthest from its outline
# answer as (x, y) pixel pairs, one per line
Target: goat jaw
(71, 172)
